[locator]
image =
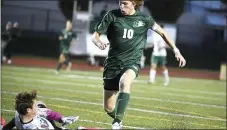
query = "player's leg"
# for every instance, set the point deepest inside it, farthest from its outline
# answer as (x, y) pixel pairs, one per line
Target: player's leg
(152, 74)
(3, 52)
(60, 62)
(10, 52)
(110, 101)
(164, 70)
(111, 88)
(67, 62)
(6, 52)
(124, 95)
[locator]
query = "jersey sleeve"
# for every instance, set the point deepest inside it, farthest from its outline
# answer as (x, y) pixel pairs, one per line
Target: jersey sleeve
(103, 25)
(10, 125)
(151, 23)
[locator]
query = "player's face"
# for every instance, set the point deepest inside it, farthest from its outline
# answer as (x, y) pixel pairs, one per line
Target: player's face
(126, 6)
(68, 25)
(33, 111)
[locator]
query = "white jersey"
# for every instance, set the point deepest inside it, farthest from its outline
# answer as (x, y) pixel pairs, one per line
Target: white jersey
(159, 45)
(38, 122)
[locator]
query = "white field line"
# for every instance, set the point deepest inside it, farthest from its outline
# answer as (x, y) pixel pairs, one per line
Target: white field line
(90, 85)
(132, 109)
(25, 83)
(89, 92)
(96, 73)
(95, 122)
(136, 81)
(145, 82)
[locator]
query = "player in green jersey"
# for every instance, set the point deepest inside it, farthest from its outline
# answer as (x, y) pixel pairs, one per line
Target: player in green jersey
(126, 30)
(66, 37)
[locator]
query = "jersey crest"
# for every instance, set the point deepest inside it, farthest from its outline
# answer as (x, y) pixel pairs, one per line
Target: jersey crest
(138, 23)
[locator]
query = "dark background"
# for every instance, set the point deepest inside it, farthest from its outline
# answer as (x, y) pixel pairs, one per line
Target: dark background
(205, 56)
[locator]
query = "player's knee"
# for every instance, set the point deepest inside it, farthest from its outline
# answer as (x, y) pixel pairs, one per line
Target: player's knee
(124, 85)
(126, 81)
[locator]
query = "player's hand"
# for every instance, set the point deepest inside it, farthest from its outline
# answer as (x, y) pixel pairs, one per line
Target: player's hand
(102, 45)
(179, 57)
(61, 38)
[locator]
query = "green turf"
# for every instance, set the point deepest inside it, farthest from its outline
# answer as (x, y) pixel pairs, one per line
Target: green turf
(184, 104)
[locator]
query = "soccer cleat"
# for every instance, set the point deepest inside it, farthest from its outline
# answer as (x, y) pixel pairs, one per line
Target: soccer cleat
(117, 126)
(69, 120)
(151, 82)
(56, 72)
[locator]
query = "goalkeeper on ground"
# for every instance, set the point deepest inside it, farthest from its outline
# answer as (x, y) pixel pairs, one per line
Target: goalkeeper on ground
(32, 114)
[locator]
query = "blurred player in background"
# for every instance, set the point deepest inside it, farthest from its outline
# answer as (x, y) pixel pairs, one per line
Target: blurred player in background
(6, 42)
(66, 37)
(32, 114)
(158, 57)
(126, 30)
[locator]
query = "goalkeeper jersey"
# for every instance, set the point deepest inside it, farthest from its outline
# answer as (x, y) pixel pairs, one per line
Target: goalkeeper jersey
(38, 122)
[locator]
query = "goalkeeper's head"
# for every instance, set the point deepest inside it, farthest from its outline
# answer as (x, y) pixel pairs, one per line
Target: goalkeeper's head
(129, 6)
(25, 103)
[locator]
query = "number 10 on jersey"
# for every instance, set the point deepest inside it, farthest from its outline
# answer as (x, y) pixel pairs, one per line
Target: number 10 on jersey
(128, 33)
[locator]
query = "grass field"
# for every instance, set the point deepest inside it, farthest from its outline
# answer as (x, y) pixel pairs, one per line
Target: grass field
(184, 104)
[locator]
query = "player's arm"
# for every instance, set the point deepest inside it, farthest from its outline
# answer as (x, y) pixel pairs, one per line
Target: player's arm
(170, 42)
(61, 37)
(101, 28)
(164, 35)
(97, 41)
(10, 125)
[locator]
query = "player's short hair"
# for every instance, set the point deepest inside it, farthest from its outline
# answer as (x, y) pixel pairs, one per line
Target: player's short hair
(138, 3)
(25, 100)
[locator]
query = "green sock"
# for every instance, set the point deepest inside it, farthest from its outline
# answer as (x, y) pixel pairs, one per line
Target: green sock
(112, 113)
(59, 66)
(121, 105)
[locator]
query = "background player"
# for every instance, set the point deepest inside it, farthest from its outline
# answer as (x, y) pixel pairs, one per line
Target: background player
(66, 37)
(158, 57)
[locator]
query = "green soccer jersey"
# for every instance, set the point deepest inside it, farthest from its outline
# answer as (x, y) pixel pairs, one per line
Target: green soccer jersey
(67, 38)
(127, 36)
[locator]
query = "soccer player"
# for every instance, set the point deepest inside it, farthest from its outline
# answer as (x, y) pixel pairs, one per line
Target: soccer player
(31, 114)
(66, 37)
(6, 43)
(159, 55)
(126, 30)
